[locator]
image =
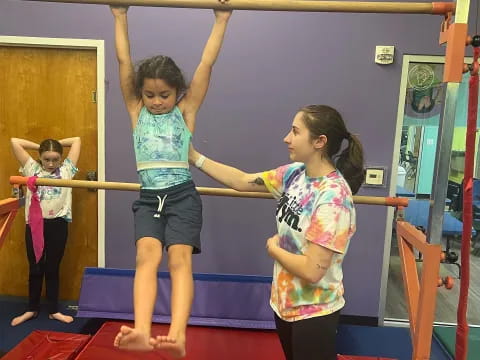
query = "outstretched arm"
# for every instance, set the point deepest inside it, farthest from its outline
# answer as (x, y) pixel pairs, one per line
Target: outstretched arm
(127, 74)
(201, 79)
(19, 147)
(75, 144)
(228, 175)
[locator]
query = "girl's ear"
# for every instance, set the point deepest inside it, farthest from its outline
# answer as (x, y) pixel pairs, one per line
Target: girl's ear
(320, 142)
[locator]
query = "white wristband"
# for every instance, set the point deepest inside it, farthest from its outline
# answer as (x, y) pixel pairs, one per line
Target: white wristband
(200, 161)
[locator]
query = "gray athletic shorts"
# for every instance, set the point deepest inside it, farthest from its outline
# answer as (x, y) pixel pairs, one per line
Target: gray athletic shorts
(172, 215)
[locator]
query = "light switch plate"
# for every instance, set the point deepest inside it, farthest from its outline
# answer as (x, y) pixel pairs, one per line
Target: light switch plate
(384, 54)
(375, 176)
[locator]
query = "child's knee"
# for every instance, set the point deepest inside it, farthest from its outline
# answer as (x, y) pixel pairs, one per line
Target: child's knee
(149, 253)
(180, 259)
(148, 259)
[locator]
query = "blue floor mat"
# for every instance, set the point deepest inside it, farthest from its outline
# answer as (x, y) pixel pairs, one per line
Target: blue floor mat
(11, 336)
(392, 342)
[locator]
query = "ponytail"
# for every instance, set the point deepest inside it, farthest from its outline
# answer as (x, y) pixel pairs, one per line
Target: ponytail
(350, 163)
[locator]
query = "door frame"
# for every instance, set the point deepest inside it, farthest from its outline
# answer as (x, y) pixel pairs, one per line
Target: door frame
(99, 47)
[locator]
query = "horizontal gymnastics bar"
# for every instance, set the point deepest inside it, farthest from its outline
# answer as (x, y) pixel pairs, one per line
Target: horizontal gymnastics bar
(435, 8)
(85, 184)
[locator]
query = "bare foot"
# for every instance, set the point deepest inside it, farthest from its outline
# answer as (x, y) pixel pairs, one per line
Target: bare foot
(61, 317)
(173, 346)
(24, 317)
(132, 339)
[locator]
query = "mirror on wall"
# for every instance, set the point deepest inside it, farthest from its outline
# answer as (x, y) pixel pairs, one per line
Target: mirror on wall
(421, 105)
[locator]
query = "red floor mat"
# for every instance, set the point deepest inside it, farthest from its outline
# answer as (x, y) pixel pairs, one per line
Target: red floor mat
(41, 345)
(203, 343)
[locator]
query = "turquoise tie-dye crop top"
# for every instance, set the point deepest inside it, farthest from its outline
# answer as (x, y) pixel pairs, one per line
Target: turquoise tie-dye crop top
(161, 149)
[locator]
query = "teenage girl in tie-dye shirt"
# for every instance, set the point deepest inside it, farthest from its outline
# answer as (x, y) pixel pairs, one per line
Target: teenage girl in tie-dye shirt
(315, 221)
(315, 210)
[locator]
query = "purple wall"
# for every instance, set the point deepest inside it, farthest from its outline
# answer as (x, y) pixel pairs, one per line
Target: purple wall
(271, 64)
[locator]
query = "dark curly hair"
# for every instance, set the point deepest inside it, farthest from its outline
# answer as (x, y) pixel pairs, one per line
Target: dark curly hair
(159, 67)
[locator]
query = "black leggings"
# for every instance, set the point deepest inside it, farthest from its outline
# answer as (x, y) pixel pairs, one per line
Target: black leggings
(55, 232)
(309, 339)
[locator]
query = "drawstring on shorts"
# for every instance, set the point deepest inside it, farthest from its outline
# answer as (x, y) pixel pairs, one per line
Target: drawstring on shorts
(161, 202)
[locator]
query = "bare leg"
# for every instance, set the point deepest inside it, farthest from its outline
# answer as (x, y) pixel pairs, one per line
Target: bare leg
(180, 266)
(149, 255)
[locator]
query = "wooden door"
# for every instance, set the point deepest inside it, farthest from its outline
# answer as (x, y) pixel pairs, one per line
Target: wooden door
(47, 93)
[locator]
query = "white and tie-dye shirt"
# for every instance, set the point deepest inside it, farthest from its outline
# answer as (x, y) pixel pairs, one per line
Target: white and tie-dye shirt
(319, 210)
(55, 201)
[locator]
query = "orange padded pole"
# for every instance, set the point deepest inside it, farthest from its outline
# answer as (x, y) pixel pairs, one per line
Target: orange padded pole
(442, 8)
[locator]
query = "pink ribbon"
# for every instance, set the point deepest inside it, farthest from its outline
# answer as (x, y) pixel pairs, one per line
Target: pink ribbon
(35, 219)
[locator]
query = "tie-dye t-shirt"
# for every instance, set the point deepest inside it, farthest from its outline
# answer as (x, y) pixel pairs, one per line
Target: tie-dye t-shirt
(319, 210)
(56, 202)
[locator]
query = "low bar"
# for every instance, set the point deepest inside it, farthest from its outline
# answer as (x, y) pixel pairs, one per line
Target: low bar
(85, 184)
(433, 8)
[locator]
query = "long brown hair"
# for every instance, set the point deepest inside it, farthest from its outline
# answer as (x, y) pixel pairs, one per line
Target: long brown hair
(50, 145)
(325, 120)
